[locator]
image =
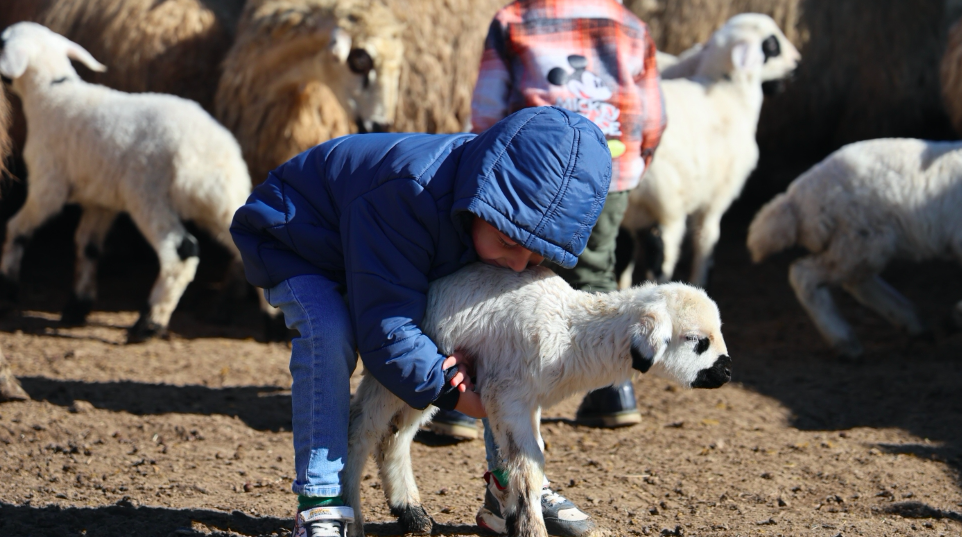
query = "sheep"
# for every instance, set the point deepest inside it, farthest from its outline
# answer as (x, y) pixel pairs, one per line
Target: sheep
(708, 148)
(173, 47)
(443, 42)
(158, 157)
(862, 206)
(534, 341)
(302, 71)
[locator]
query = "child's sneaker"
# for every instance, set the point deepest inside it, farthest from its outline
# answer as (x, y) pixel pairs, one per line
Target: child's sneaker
(454, 424)
(561, 517)
(323, 522)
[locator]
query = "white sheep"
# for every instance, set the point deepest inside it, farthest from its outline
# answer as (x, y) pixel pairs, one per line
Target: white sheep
(708, 148)
(534, 341)
(864, 205)
(158, 157)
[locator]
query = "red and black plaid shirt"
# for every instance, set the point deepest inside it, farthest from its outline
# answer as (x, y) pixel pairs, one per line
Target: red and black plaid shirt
(594, 57)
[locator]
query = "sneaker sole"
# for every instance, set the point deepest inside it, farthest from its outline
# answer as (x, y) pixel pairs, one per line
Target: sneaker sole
(611, 421)
(463, 432)
(490, 522)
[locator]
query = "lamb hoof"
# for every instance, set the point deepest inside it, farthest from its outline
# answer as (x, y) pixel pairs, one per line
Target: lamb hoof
(9, 290)
(76, 311)
(413, 519)
(144, 329)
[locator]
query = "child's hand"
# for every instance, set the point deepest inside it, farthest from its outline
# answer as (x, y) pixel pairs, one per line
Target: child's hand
(469, 402)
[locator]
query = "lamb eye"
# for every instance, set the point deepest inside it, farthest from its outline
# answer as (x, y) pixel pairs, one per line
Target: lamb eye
(359, 61)
(702, 345)
(770, 47)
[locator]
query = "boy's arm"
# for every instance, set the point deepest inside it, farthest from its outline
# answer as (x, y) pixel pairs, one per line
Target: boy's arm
(388, 237)
(654, 119)
(489, 102)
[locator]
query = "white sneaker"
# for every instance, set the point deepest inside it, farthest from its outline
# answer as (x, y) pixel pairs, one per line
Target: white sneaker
(323, 522)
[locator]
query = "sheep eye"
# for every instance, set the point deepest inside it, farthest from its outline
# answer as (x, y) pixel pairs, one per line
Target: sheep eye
(770, 47)
(359, 61)
(702, 345)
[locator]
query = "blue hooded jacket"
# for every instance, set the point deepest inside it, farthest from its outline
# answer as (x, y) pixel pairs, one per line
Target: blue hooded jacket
(384, 214)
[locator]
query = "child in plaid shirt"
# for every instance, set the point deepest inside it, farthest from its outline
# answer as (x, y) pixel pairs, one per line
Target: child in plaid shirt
(596, 58)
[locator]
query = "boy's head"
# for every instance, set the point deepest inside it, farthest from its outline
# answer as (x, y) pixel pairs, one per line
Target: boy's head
(495, 248)
(539, 177)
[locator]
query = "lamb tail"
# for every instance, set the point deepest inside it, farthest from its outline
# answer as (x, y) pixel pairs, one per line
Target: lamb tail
(774, 228)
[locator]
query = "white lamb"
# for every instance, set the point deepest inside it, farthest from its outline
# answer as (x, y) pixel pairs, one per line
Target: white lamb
(160, 158)
(864, 205)
(534, 341)
(708, 148)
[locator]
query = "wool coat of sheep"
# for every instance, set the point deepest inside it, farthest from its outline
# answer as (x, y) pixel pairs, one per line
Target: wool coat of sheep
(385, 214)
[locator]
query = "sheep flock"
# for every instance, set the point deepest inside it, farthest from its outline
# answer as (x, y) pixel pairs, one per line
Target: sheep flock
(173, 110)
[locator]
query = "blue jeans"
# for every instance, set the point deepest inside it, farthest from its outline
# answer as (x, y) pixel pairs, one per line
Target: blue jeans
(323, 357)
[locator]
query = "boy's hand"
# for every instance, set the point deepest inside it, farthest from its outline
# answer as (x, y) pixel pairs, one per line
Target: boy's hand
(469, 402)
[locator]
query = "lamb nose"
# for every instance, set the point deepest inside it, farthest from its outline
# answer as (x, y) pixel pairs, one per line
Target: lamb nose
(725, 362)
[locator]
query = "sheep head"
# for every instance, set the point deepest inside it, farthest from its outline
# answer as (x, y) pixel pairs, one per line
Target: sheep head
(302, 72)
(33, 54)
(748, 43)
(679, 335)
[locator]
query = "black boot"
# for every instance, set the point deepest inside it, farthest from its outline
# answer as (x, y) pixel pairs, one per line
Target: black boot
(609, 407)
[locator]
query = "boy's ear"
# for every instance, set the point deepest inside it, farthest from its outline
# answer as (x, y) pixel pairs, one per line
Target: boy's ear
(652, 338)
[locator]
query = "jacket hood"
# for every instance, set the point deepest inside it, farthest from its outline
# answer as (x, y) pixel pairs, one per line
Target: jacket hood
(540, 176)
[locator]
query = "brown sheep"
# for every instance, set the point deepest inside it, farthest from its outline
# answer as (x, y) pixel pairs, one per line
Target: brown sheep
(302, 71)
(174, 46)
(443, 41)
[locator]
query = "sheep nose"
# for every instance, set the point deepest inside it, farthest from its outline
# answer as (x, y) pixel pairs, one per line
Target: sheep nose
(724, 363)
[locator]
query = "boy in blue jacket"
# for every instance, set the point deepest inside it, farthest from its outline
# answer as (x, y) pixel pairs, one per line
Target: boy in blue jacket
(375, 218)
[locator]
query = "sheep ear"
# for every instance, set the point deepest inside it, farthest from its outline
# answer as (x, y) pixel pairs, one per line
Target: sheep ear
(747, 56)
(340, 45)
(13, 60)
(76, 52)
(652, 339)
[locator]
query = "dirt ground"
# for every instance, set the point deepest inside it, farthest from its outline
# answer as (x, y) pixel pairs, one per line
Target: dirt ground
(191, 435)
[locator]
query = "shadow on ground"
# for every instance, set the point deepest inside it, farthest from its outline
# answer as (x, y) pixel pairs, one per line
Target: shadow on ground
(265, 408)
(125, 518)
(899, 383)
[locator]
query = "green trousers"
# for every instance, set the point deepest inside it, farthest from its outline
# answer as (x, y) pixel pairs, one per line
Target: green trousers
(595, 271)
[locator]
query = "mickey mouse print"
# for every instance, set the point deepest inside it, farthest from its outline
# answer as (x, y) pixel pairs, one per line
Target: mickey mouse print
(593, 57)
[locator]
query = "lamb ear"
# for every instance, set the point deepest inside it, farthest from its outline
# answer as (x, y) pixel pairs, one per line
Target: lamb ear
(340, 44)
(652, 339)
(747, 56)
(13, 60)
(76, 52)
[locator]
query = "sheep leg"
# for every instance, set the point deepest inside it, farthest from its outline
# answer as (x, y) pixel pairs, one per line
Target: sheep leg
(393, 456)
(89, 240)
(810, 277)
(43, 201)
(672, 234)
(706, 229)
(520, 445)
(178, 252)
(373, 409)
(874, 293)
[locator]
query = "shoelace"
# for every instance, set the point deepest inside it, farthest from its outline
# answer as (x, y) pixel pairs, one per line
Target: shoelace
(552, 497)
